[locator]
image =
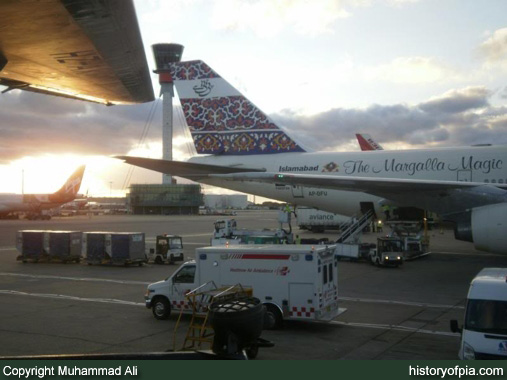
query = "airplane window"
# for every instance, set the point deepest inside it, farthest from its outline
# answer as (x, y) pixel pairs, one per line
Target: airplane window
(500, 180)
(486, 180)
(493, 181)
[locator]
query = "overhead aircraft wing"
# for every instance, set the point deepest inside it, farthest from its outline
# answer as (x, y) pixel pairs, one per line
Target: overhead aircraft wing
(445, 197)
(188, 170)
(81, 49)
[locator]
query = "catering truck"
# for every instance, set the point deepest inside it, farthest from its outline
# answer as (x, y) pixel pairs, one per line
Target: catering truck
(484, 333)
(293, 281)
(318, 221)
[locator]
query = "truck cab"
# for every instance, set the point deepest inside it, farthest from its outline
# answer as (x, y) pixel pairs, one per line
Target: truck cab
(224, 228)
(484, 333)
(389, 252)
(168, 249)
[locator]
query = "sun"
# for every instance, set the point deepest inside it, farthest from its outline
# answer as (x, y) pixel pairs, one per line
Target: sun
(47, 173)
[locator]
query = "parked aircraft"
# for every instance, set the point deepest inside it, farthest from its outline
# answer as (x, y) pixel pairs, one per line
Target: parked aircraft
(366, 142)
(241, 148)
(34, 204)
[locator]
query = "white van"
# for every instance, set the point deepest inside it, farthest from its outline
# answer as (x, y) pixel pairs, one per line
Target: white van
(484, 333)
(293, 281)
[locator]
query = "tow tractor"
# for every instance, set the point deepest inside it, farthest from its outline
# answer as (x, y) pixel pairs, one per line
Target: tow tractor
(389, 252)
(168, 249)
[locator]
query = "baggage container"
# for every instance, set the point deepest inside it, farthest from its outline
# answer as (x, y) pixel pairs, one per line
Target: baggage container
(63, 245)
(119, 248)
(55, 246)
(30, 243)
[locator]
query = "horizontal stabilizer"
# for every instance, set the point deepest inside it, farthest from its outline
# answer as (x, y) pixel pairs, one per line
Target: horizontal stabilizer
(183, 169)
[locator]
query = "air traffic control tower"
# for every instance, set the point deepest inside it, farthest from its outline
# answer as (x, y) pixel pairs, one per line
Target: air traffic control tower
(166, 54)
(166, 198)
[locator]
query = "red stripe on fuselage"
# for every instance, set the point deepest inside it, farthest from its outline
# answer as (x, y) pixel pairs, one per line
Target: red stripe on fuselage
(256, 256)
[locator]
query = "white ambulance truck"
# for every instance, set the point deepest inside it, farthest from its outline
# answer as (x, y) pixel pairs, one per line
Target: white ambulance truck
(484, 334)
(292, 281)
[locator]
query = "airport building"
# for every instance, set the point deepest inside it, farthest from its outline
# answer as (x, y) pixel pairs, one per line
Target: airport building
(167, 199)
(225, 201)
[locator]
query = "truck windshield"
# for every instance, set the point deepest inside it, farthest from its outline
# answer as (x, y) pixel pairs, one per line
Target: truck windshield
(185, 275)
(486, 316)
(176, 243)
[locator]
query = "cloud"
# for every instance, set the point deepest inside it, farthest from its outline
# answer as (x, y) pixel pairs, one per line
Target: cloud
(494, 48)
(32, 124)
(267, 18)
(455, 118)
(456, 101)
(412, 70)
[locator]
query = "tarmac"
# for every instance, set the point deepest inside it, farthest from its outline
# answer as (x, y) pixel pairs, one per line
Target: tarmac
(392, 313)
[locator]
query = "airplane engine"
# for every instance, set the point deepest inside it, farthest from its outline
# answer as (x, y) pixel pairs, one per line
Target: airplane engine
(485, 226)
(489, 228)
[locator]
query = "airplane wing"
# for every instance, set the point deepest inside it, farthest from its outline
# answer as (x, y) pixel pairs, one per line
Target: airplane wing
(87, 50)
(444, 197)
(188, 170)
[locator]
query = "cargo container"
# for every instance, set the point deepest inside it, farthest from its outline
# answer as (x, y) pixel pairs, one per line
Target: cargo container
(30, 243)
(63, 246)
(56, 246)
(118, 248)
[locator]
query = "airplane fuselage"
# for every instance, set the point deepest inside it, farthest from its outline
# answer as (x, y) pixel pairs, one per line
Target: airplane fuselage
(25, 203)
(486, 164)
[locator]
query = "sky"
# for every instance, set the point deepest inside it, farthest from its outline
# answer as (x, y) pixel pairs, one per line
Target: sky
(411, 73)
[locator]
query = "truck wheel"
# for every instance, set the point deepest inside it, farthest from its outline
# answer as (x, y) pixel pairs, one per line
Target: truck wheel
(161, 308)
(273, 318)
(158, 260)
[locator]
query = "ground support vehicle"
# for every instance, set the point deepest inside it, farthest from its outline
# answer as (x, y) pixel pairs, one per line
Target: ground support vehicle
(292, 281)
(168, 249)
(315, 220)
(413, 235)
(484, 333)
(227, 232)
(389, 252)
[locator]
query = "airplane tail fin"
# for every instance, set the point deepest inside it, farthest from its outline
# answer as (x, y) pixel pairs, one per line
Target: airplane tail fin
(69, 190)
(221, 120)
(367, 143)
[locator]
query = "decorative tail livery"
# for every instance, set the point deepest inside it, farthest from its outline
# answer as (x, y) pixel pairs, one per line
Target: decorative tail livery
(70, 188)
(221, 120)
(367, 143)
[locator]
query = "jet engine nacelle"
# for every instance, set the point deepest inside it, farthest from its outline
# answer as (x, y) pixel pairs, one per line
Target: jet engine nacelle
(489, 228)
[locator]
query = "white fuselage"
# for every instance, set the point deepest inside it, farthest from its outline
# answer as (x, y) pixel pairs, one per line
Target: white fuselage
(472, 164)
(25, 203)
